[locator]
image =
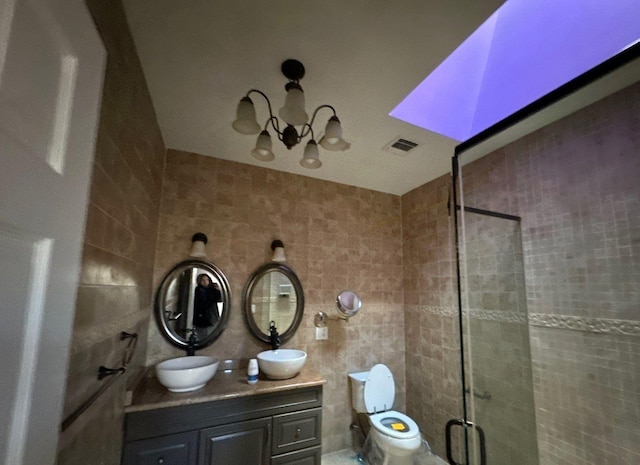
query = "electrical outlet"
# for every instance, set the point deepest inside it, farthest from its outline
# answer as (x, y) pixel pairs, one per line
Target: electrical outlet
(322, 333)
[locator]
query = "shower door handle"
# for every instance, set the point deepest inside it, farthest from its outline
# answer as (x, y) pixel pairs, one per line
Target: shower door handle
(465, 424)
(483, 447)
(451, 424)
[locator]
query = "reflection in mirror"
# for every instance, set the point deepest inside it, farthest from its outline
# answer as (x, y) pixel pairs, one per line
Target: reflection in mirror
(273, 293)
(273, 299)
(192, 304)
(348, 303)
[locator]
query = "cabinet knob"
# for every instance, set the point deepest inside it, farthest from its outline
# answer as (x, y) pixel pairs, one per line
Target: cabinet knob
(160, 461)
(297, 432)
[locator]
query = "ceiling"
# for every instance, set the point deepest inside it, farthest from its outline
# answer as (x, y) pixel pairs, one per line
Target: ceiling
(200, 57)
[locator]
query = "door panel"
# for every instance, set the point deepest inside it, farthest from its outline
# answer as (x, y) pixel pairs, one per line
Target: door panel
(499, 424)
(51, 66)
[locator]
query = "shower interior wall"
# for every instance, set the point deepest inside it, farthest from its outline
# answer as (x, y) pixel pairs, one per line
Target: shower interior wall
(497, 353)
(575, 185)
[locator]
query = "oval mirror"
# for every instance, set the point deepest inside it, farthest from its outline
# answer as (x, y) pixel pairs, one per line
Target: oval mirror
(194, 297)
(273, 293)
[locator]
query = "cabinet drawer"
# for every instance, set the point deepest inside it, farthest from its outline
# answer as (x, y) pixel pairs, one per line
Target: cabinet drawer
(298, 430)
(311, 456)
(175, 449)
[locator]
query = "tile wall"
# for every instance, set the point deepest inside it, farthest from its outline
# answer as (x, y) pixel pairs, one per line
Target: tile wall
(336, 237)
(497, 349)
(114, 294)
(431, 325)
(575, 183)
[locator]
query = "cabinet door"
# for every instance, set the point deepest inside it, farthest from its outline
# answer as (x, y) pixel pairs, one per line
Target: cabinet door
(311, 456)
(297, 430)
(175, 449)
(245, 443)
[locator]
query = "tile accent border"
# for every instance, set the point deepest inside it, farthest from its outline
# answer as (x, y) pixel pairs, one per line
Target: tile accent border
(543, 320)
(498, 315)
(591, 325)
(450, 312)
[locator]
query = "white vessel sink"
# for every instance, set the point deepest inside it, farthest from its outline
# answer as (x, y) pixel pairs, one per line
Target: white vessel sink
(184, 374)
(281, 363)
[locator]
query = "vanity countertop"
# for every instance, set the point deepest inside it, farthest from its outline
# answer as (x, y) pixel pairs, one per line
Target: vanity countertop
(149, 394)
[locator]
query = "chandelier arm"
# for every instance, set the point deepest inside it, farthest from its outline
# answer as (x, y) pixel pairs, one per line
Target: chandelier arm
(315, 112)
(266, 98)
(275, 124)
(306, 129)
(280, 136)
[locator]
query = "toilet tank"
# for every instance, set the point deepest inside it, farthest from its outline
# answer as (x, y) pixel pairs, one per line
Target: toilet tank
(357, 390)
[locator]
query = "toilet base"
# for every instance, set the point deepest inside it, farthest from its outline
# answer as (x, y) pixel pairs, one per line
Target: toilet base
(384, 450)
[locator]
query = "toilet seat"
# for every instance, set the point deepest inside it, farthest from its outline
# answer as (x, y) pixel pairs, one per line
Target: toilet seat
(395, 424)
(379, 389)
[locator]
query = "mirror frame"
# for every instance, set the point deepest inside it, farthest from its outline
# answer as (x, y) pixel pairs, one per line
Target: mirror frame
(248, 291)
(168, 333)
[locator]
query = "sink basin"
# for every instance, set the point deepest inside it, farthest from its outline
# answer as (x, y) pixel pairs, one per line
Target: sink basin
(281, 363)
(184, 374)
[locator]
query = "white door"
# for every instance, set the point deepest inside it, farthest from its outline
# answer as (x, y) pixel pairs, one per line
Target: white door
(51, 66)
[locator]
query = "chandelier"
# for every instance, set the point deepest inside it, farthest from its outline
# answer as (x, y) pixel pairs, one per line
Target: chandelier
(293, 114)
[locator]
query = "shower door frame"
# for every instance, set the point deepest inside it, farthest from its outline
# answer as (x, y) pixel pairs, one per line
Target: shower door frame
(464, 422)
(611, 75)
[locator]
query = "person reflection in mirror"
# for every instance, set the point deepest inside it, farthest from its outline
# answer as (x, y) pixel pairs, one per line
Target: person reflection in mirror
(207, 296)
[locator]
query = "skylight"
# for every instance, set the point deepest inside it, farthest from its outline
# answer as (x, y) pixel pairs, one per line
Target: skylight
(525, 50)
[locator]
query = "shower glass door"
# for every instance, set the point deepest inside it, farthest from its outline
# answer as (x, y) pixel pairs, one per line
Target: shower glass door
(499, 427)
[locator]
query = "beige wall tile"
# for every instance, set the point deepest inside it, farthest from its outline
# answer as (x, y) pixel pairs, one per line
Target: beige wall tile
(336, 237)
(115, 291)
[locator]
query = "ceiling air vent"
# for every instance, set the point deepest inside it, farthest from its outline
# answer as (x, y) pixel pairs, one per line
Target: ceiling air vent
(400, 146)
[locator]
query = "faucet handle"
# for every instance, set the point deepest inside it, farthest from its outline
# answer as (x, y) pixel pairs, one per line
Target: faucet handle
(274, 337)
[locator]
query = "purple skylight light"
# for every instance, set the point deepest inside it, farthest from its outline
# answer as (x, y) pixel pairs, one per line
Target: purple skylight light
(525, 50)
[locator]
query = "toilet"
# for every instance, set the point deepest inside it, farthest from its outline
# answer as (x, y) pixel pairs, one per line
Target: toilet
(394, 433)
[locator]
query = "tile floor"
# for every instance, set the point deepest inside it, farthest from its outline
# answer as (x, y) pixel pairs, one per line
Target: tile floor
(349, 457)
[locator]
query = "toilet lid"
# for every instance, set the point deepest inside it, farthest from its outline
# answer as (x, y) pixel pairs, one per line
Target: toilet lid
(395, 424)
(379, 389)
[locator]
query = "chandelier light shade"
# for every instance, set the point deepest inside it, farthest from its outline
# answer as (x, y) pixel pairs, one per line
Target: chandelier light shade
(246, 122)
(311, 157)
(333, 131)
(292, 114)
(293, 111)
(263, 151)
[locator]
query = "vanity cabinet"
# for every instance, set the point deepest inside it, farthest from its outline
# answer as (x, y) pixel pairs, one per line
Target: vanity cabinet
(279, 428)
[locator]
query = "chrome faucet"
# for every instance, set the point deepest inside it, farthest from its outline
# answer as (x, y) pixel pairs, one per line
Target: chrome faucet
(274, 337)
